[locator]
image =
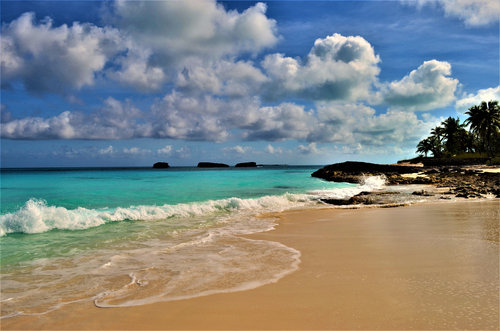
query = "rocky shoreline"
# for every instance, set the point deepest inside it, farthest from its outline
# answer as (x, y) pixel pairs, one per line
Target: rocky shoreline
(446, 181)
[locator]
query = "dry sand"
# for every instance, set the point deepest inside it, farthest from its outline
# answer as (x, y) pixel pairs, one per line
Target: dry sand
(427, 266)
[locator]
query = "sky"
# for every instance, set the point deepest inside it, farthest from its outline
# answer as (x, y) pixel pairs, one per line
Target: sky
(130, 83)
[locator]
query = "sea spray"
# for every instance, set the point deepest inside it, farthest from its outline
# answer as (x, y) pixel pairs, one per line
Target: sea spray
(369, 183)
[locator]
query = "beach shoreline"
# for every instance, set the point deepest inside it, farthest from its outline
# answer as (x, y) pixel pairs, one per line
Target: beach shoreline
(431, 265)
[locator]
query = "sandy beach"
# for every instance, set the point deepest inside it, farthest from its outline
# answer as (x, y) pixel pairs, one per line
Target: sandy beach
(427, 266)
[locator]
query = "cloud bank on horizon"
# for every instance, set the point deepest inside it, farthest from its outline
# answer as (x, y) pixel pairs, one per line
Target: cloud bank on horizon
(213, 74)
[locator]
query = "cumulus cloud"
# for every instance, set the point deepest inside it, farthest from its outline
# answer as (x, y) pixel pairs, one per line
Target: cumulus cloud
(178, 116)
(337, 67)
(469, 100)
(184, 117)
(282, 122)
(55, 59)
(136, 71)
(106, 151)
(167, 150)
(425, 88)
(273, 150)
(238, 149)
(224, 77)
(114, 120)
(152, 43)
(179, 29)
(310, 148)
(392, 128)
(136, 151)
(354, 124)
(472, 12)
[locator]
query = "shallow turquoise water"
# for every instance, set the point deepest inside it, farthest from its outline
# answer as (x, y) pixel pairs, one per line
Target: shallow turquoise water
(134, 236)
(99, 188)
(40, 208)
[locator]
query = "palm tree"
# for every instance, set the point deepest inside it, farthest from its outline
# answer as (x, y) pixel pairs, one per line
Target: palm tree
(424, 146)
(436, 140)
(484, 121)
(438, 132)
(429, 144)
(452, 132)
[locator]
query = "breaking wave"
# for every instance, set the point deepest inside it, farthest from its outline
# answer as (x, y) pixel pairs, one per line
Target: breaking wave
(36, 216)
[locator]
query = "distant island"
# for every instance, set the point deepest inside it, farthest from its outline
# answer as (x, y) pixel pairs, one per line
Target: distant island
(212, 165)
(165, 165)
(246, 165)
(161, 165)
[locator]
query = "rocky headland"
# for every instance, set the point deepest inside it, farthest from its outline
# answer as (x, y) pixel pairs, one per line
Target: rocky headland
(446, 181)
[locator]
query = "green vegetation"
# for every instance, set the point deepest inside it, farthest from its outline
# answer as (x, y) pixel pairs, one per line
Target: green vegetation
(452, 139)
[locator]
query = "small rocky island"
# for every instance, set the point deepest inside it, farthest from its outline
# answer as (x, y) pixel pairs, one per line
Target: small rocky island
(246, 165)
(161, 165)
(212, 165)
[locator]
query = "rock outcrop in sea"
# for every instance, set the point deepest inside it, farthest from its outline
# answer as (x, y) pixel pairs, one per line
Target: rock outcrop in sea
(212, 165)
(161, 165)
(246, 165)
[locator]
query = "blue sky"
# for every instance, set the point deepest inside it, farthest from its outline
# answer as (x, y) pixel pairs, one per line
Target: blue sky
(129, 83)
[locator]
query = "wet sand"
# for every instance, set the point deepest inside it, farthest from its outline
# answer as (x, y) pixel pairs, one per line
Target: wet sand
(427, 266)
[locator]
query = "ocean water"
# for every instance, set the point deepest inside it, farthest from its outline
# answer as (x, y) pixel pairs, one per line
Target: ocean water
(123, 237)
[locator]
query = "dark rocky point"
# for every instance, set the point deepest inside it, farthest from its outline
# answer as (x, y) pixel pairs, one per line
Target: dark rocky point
(212, 165)
(161, 165)
(390, 199)
(246, 165)
(462, 181)
(353, 172)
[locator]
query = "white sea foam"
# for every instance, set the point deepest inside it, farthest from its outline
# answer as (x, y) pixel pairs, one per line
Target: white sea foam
(36, 216)
(371, 183)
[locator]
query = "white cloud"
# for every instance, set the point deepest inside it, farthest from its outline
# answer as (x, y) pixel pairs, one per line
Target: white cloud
(392, 128)
(238, 149)
(282, 122)
(154, 41)
(136, 71)
(273, 150)
(311, 148)
(136, 151)
(205, 118)
(55, 59)
(167, 150)
(179, 29)
(472, 12)
(178, 116)
(469, 100)
(106, 151)
(223, 77)
(337, 67)
(353, 124)
(425, 88)
(114, 120)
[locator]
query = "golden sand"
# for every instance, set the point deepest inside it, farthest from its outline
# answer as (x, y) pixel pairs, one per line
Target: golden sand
(428, 266)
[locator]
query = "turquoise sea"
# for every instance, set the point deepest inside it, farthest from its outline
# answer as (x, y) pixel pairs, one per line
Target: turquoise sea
(132, 236)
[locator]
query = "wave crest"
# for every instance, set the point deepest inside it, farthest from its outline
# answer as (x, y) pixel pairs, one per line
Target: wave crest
(36, 216)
